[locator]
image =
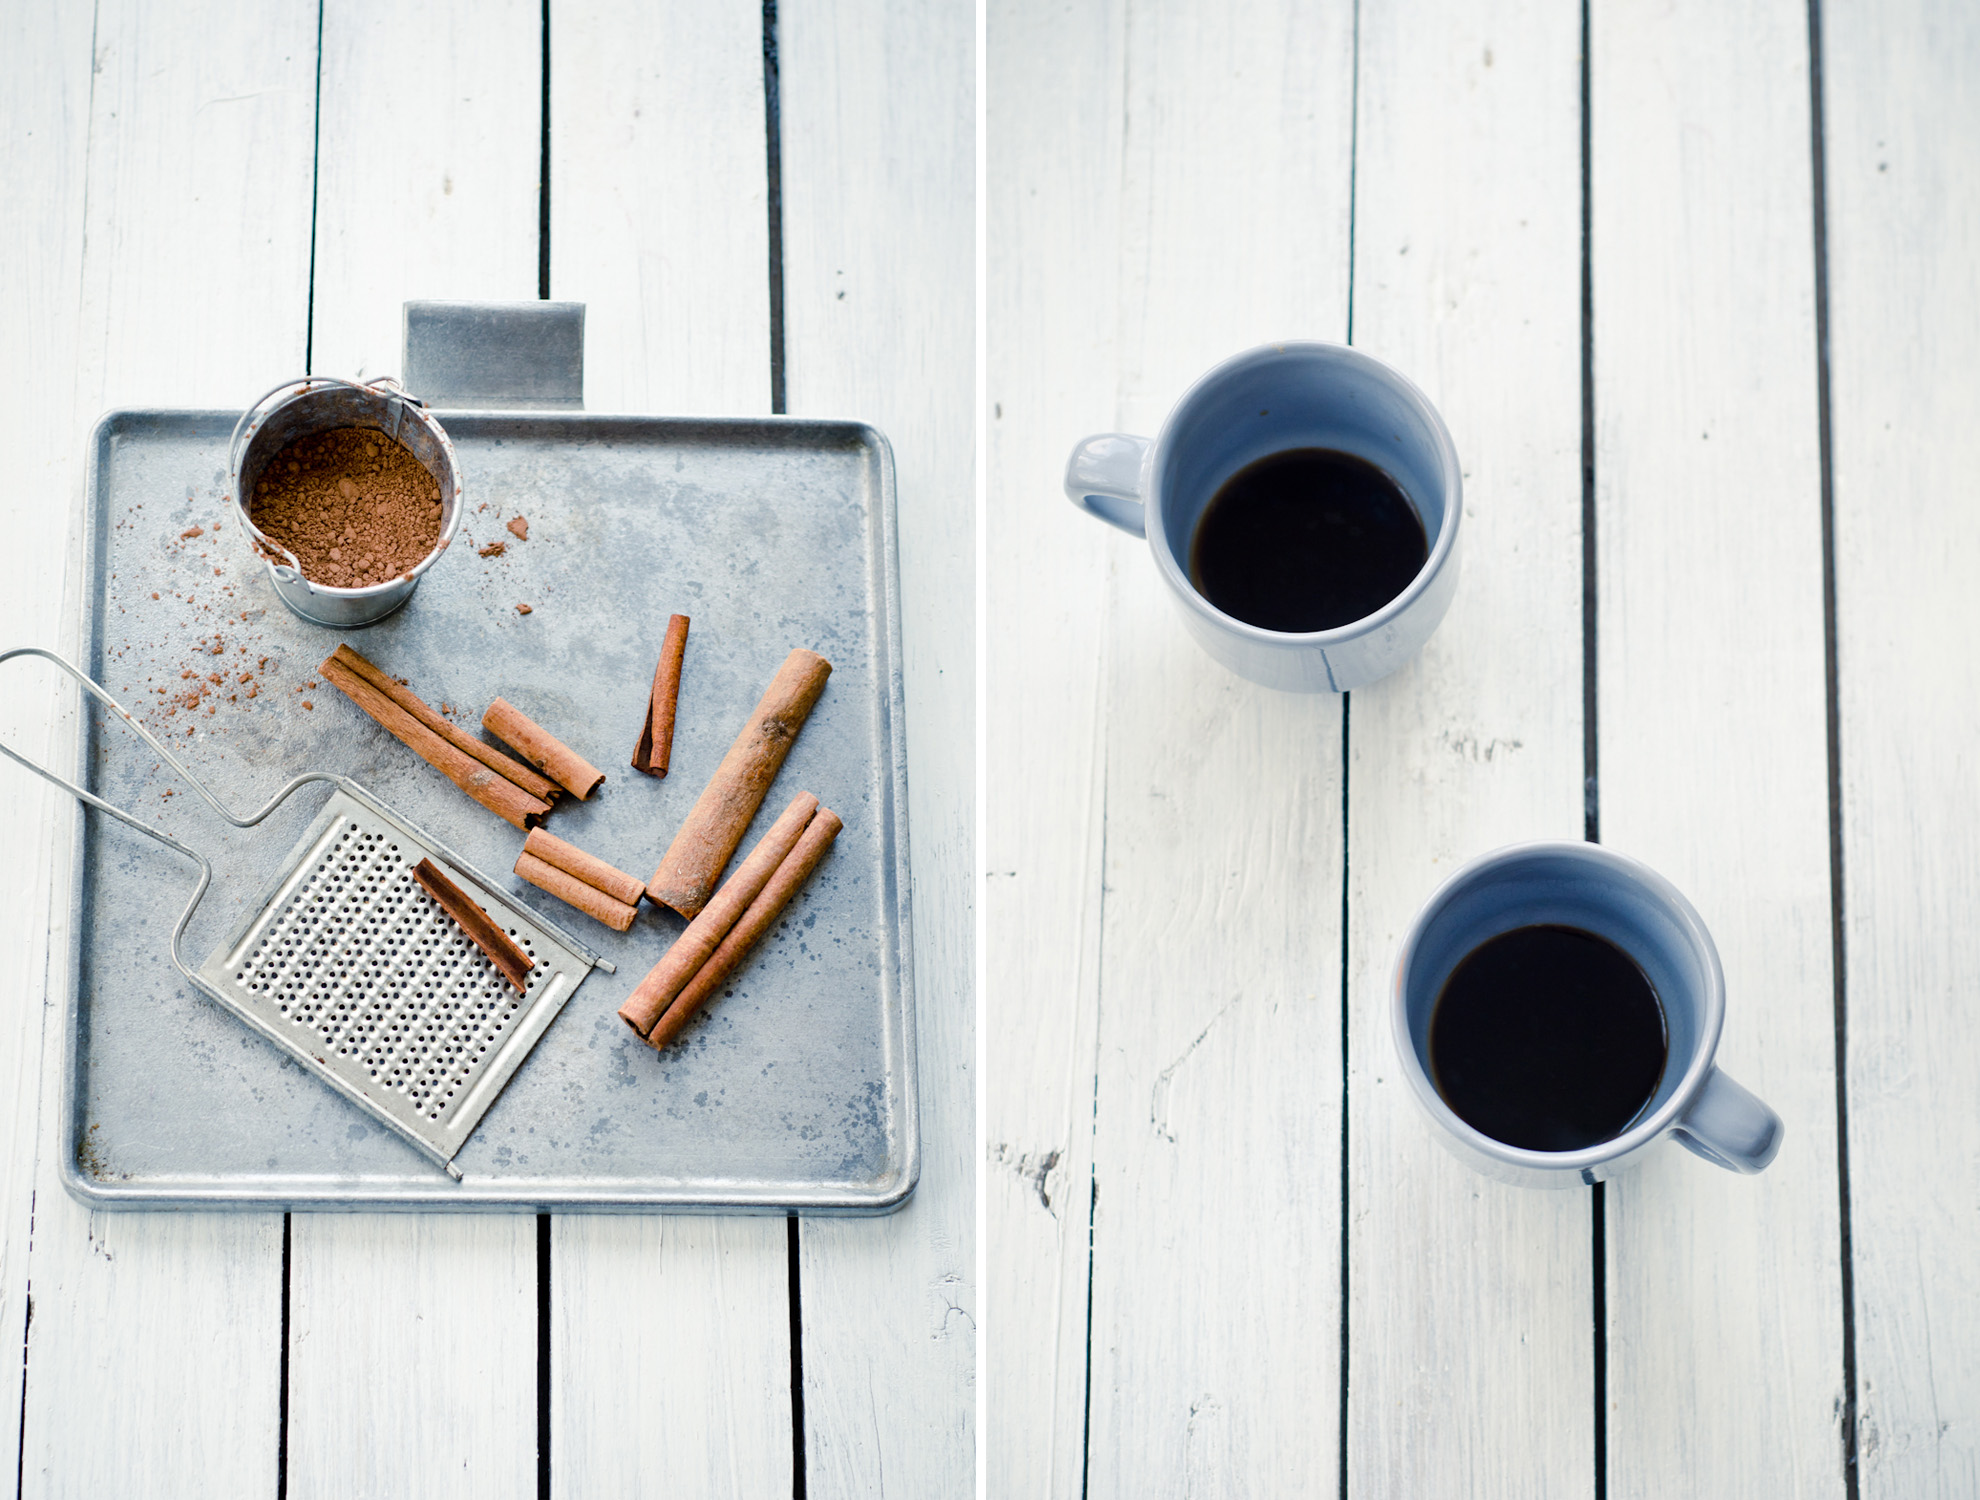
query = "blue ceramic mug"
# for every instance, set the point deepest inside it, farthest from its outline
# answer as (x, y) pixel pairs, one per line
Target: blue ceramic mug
(1597, 890)
(1271, 400)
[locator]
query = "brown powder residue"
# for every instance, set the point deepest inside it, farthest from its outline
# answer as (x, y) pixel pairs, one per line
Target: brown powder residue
(355, 507)
(494, 549)
(520, 528)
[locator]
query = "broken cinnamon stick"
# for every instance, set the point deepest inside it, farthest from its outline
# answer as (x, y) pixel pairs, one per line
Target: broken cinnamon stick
(542, 749)
(566, 887)
(716, 823)
(656, 736)
(653, 994)
(496, 793)
(755, 921)
(593, 871)
(507, 767)
(501, 949)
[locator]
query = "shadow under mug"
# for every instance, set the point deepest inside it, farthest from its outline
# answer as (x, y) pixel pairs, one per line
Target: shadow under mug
(1264, 401)
(1599, 891)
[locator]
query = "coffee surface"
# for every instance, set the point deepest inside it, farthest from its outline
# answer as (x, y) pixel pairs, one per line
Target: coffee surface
(353, 505)
(1548, 1038)
(1307, 539)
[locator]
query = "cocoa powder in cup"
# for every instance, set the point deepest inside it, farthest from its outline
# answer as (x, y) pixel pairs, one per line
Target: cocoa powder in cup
(353, 505)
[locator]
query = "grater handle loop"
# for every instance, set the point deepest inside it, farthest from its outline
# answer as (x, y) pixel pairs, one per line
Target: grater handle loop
(205, 869)
(102, 695)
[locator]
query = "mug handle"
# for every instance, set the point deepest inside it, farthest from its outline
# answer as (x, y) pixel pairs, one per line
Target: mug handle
(1730, 1126)
(1103, 478)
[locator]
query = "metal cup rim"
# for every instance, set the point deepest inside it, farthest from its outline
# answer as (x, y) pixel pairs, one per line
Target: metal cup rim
(289, 574)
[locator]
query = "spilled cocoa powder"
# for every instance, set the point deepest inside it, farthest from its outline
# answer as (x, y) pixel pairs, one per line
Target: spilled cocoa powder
(353, 505)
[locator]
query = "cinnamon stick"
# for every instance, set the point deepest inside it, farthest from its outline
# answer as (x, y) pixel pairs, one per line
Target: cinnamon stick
(501, 949)
(653, 994)
(715, 825)
(542, 749)
(566, 887)
(593, 871)
(507, 767)
(754, 922)
(496, 793)
(656, 736)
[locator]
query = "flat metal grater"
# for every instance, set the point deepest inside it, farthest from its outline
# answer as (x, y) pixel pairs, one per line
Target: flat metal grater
(350, 967)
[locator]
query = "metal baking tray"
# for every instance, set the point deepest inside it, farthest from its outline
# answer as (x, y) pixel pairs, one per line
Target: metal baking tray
(794, 1092)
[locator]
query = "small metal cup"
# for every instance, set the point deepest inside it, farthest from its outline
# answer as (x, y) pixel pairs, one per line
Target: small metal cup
(297, 408)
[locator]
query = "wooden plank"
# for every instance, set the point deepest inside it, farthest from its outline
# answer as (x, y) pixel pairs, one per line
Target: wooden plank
(670, 1349)
(427, 169)
(1470, 1352)
(1903, 171)
(879, 218)
(1216, 1230)
(1054, 119)
(412, 1349)
(194, 285)
(1724, 1294)
(671, 1357)
(659, 203)
(412, 1358)
(44, 119)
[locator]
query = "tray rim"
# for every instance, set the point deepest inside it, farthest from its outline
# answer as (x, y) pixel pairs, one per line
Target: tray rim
(882, 1195)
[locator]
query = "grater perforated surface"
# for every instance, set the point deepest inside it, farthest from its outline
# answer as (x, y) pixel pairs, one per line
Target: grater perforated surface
(350, 965)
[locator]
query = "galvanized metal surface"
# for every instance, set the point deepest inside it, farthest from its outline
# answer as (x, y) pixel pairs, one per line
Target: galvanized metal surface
(795, 1091)
(496, 355)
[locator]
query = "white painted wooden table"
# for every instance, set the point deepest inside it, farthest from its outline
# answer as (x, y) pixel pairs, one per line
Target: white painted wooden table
(1694, 289)
(202, 202)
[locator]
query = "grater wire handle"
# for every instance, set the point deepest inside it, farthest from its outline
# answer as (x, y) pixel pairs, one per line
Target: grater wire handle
(101, 694)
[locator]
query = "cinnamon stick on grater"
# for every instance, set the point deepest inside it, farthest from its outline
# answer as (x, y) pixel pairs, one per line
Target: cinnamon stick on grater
(656, 735)
(715, 825)
(501, 949)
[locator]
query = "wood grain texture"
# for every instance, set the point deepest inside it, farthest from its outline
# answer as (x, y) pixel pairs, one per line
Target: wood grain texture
(1903, 166)
(427, 170)
(389, 1313)
(671, 1357)
(658, 205)
(1725, 1293)
(1215, 1294)
(1055, 121)
(44, 121)
(879, 216)
(1470, 1348)
(194, 282)
(412, 1355)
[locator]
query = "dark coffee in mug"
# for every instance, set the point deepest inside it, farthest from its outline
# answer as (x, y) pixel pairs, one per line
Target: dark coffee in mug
(1549, 1038)
(1307, 539)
